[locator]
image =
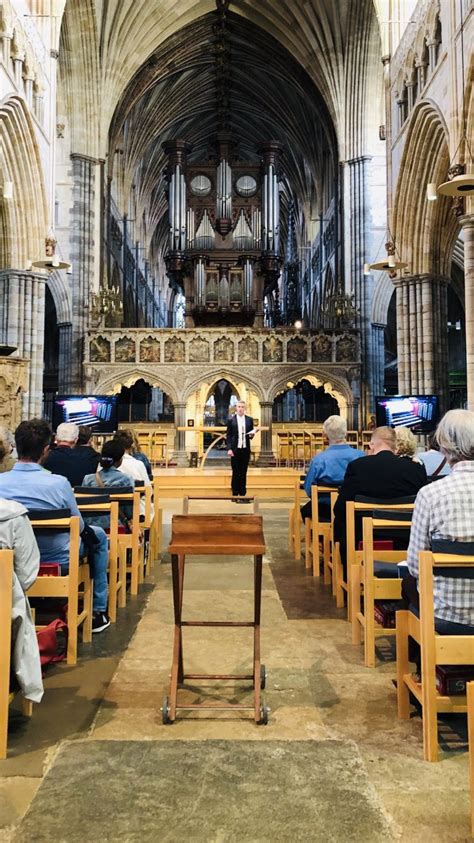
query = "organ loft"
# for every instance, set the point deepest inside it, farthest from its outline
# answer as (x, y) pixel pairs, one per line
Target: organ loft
(224, 232)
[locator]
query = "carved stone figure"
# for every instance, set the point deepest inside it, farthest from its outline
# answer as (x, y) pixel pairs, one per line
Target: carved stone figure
(174, 350)
(248, 350)
(296, 350)
(99, 350)
(272, 350)
(223, 350)
(150, 350)
(321, 348)
(199, 350)
(346, 349)
(125, 350)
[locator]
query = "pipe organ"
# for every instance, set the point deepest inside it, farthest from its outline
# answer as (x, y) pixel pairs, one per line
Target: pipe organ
(224, 224)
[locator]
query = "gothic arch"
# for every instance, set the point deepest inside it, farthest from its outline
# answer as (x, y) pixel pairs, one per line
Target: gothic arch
(234, 376)
(24, 217)
(113, 383)
(335, 386)
(61, 294)
(425, 232)
(383, 293)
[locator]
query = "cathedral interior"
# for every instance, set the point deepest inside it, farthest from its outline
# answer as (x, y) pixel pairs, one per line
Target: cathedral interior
(211, 201)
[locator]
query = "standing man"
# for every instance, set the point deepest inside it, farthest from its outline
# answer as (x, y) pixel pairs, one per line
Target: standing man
(240, 431)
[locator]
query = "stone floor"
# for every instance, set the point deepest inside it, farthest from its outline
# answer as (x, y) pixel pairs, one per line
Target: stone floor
(333, 763)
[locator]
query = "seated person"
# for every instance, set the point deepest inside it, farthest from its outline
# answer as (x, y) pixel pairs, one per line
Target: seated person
(107, 476)
(138, 454)
(66, 459)
(85, 451)
(379, 476)
(17, 534)
(407, 443)
(29, 484)
(131, 466)
(445, 510)
(435, 463)
(329, 467)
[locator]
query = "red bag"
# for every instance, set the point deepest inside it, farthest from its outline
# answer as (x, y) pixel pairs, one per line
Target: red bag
(52, 642)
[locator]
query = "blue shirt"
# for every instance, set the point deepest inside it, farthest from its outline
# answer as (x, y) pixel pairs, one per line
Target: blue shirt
(330, 466)
(34, 487)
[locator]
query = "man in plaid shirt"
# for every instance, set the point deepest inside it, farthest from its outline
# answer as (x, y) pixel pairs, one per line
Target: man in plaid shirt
(445, 510)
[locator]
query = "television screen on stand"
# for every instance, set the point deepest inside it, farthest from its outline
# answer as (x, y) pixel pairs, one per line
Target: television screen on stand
(96, 411)
(418, 412)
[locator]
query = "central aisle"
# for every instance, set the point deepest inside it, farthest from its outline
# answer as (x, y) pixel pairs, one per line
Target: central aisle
(334, 763)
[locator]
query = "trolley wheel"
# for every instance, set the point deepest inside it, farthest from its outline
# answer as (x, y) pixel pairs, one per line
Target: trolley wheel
(263, 715)
(165, 712)
(263, 676)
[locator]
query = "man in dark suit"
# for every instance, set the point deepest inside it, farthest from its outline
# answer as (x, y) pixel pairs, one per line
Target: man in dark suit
(69, 460)
(383, 476)
(240, 431)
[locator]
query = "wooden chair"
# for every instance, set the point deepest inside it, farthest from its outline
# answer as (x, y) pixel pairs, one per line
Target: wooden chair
(355, 509)
(133, 560)
(376, 588)
(352, 438)
(283, 448)
(100, 505)
(316, 530)
(75, 586)
(6, 587)
(436, 649)
(470, 727)
(297, 446)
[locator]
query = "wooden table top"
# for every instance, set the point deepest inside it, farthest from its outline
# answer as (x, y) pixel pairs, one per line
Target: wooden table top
(233, 535)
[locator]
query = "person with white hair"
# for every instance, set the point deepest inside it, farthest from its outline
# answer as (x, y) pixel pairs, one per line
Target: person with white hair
(445, 510)
(329, 467)
(66, 459)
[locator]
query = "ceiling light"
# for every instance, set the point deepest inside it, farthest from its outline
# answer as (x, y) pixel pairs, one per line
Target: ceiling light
(458, 186)
(298, 324)
(51, 264)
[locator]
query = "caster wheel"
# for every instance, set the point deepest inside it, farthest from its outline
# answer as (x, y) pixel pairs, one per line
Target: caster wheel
(263, 715)
(165, 712)
(263, 676)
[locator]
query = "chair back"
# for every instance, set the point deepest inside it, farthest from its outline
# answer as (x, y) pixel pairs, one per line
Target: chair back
(6, 591)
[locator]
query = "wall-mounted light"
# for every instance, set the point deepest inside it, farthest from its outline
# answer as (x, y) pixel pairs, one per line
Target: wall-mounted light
(366, 269)
(29, 266)
(7, 192)
(298, 324)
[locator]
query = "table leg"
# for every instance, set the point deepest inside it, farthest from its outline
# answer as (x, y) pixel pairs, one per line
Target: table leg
(256, 634)
(177, 567)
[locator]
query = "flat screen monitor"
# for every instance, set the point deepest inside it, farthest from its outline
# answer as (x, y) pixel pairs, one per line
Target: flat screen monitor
(96, 411)
(418, 412)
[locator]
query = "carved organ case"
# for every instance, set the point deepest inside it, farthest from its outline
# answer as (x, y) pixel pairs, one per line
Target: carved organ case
(224, 219)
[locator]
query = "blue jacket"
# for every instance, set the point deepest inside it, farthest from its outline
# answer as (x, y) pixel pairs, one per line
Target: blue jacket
(330, 466)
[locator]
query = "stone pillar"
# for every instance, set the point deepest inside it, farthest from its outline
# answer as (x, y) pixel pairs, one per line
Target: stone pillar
(468, 227)
(82, 257)
(266, 456)
(180, 454)
(378, 357)
(64, 361)
(422, 342)
(22, 326)
(363, 285)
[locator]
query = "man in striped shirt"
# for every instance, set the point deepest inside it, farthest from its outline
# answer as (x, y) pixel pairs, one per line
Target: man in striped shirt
(445, 510)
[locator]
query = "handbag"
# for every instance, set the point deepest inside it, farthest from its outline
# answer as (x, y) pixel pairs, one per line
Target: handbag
(52, 642)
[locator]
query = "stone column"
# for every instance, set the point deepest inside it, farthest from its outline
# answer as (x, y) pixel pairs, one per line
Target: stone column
(180, 454)
(266, 456)
(82, 256)
(378, 357)
(64, 361)
(22, 326)
(422, 336)
(363, 285)
(468, 227)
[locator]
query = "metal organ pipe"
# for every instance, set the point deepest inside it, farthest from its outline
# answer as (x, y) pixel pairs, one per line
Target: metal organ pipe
(171, 210)
(182, 221)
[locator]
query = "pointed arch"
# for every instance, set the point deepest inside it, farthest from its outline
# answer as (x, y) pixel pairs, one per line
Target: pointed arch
(25, 216)
(425, 232)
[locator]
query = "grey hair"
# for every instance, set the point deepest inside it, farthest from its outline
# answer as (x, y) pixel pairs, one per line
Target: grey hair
(455, 435)
(67, 432)
(335, 428)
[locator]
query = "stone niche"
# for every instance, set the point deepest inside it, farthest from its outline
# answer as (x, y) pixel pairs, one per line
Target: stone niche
(13, 384)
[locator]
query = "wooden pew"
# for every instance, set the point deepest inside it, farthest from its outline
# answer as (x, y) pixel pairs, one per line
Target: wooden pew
(470, 726)
(316, 530)
(376, 588)
(435, 649)
(100, 505)
(76, 585)
(6, 586)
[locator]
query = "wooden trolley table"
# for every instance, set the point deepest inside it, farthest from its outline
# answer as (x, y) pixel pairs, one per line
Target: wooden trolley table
(216, 535)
